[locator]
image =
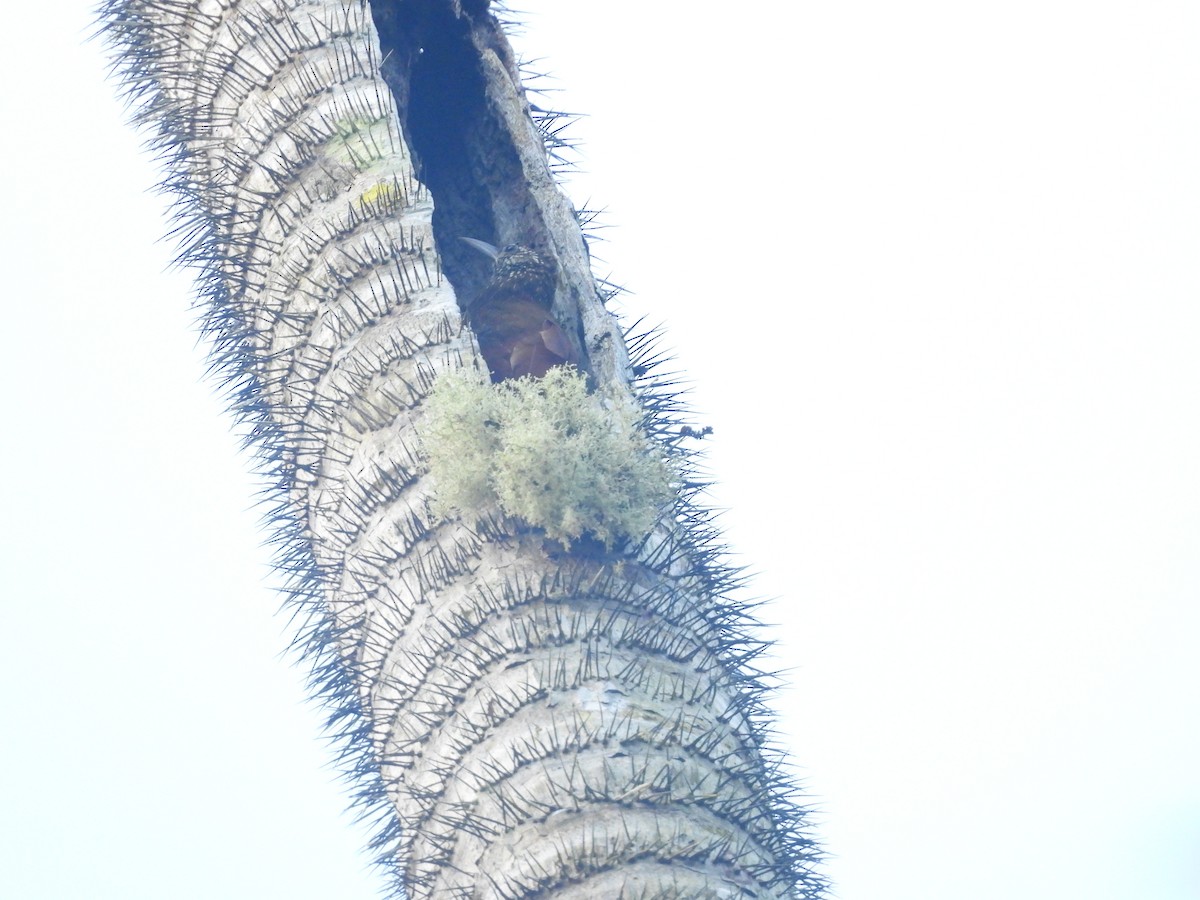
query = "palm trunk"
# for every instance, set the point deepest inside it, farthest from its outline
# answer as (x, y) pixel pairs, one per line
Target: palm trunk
(524, 721)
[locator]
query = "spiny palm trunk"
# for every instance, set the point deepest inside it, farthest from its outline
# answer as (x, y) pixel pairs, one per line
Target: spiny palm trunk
(524, 721)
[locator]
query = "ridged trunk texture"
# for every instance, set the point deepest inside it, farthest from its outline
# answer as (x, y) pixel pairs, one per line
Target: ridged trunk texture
(524, 721)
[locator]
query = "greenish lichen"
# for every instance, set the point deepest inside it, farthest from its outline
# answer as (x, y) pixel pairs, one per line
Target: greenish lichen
(361, 141)
(545, 451)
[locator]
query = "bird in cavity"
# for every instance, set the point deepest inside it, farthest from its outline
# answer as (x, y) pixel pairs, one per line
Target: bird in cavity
(511, 316)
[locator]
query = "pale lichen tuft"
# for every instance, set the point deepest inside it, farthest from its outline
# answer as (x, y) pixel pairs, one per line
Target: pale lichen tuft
(546, 451)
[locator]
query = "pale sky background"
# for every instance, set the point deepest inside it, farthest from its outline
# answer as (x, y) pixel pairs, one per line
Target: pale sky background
(933, 267)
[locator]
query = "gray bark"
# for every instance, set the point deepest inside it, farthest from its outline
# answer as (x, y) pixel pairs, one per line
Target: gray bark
(523, 721)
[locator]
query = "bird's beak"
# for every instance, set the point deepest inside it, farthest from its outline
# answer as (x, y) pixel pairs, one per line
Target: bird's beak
(482, 246)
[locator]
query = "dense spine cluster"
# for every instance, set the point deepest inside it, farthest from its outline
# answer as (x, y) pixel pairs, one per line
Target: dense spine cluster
(522, 721)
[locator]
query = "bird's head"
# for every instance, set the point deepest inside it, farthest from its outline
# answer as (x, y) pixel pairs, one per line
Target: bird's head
(518, 269)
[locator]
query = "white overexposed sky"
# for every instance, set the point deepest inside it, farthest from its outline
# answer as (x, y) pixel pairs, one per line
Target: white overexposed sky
(933, 269)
